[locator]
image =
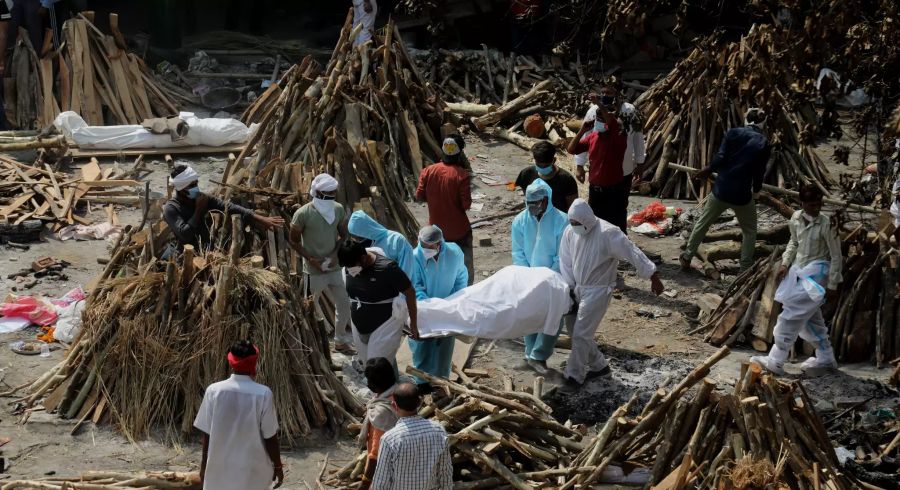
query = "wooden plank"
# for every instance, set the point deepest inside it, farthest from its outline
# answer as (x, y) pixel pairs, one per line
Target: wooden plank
(15, 204)
(115, 55)
(142, 104)
(112, 183)
(91, 171)
(133, 152)
(50, 107)
(91, 111)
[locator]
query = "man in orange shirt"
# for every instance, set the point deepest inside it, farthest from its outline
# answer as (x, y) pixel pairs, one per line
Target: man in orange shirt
(445, 186)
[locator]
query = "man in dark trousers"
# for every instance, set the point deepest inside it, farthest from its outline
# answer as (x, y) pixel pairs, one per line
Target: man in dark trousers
(741, 166)
(561, 182)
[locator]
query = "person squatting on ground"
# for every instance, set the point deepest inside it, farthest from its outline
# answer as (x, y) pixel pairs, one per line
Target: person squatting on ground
(536, 234)
(371, 233)
(810, 263)
(588, 260)
(186, 212)
(446, 187)
(380, 415)
(381, 298)
(440, 272)
(317, 230)
(741, 166)
(563, 184)
(414, 455)
(240, 429)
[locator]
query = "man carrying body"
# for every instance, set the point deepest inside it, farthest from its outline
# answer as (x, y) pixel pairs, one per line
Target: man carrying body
(588, 259)
(440, 272)
(446, 188)
(317, 230)
(364, 12)
(741, 164)
(564, 186)
(635, 146)
(605, 142)
(414, 455)
(186, 212)
(811, 260)
(536, 235)
(381, 297)
(237, 417)
(380, 414)
(371, 233)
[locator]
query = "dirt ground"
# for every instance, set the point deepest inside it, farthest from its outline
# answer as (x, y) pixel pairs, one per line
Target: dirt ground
(645, 352)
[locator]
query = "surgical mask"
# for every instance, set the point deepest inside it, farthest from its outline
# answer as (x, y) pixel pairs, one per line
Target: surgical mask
(193, 192)
(607, 100)
(429, 253)
(599, 126)
(579, 229)
(545, 171)
(536, 208)
(354, 271)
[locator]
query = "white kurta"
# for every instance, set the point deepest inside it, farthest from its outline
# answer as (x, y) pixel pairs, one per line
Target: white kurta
(237, 414)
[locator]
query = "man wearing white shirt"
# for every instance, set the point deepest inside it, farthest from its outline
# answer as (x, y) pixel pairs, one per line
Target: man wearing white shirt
(364, 12)
(239, 425)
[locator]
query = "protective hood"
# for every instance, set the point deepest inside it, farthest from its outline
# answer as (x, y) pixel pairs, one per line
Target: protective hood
(539, 190)
(361, 224)
(581, 212)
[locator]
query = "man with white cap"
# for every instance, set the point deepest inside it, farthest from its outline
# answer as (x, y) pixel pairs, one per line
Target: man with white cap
(440, 272)
(186, 212)
(589, 256)
(317, 230)
(445, 186)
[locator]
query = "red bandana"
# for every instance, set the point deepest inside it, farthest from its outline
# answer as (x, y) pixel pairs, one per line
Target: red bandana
(244, 364)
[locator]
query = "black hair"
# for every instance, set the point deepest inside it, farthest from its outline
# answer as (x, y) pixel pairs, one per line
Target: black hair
(459, 140)
(407, 397)
(177, 170)
(380, 374)
(755, 116)
(810, 193)
(611, 82)
(543, 152)
(350, 253)
(242, 349)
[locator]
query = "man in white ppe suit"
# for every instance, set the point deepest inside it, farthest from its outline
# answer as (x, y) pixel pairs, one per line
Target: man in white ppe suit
(588, 259)
(812, 259)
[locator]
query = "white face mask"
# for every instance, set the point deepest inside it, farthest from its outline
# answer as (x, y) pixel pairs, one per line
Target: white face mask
(579, 229)
(429, 253)
(325, 207)
(354, 271)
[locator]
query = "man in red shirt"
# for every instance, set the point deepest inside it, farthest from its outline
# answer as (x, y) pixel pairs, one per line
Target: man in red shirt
(605, 147)
(445, 187)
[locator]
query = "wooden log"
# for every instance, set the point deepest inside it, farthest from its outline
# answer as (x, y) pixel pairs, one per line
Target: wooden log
(54, 142)
(493, 117)
(494, 464)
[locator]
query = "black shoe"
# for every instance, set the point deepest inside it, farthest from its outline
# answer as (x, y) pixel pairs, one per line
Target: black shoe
(598, 374)
(570, 386)
(539, 367)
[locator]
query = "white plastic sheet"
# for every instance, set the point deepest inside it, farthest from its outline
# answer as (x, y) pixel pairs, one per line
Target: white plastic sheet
(208, 132)
(514, 302)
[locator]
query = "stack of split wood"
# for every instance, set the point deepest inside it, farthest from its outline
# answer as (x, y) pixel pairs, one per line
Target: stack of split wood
(91, 74)
(688, 112)
(369, 118)
(763, 434)
(155, 334)
(96, 480)
(34, 193)
(865, 322)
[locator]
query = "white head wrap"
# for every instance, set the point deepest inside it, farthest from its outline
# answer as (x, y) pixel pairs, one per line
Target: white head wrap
(324, 183)
(581, 212)
(185, 178)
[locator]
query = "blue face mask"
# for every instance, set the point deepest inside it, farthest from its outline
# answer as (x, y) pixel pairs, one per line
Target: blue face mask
(544, 171)
(600, 126)
(194, 192)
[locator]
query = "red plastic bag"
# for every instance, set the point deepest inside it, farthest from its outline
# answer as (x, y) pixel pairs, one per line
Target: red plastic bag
(30, 308)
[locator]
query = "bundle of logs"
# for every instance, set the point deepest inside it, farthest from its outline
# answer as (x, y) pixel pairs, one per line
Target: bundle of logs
(369, 119)
(688, 112)
(91, 73)
(763, 434)
(96, 480)
(31, 193)
(155, 334)
(865, 322)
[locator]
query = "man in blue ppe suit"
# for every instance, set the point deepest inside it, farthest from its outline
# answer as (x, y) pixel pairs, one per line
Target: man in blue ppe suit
(363, 228)
(440, 272)
(536, 233)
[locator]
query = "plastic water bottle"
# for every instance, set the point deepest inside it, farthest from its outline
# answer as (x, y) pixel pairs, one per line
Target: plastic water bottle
(45, 349)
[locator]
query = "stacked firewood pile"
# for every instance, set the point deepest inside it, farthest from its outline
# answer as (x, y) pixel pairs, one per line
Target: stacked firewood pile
(95, 480)
(765, 433)
(368, 118)
(707, 93)
(865, 322)
(34, 193)
(155, 334)
(91, 74)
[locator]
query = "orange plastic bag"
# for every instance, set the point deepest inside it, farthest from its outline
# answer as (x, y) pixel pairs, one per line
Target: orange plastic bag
(651, 214)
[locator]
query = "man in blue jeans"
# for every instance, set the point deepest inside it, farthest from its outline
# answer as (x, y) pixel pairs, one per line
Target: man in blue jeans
(741, 167)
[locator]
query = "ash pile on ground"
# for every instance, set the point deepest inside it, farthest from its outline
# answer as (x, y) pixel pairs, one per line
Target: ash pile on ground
(632, 372)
